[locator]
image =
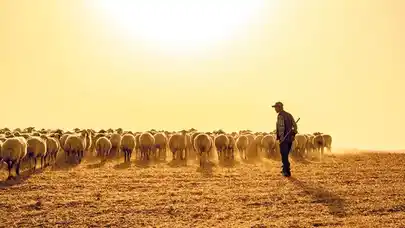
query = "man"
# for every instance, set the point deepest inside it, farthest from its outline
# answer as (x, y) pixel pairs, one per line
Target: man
(286, 130)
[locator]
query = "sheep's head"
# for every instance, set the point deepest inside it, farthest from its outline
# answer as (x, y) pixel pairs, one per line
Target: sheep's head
(11, 135)
(102, 131)
(84, 133)
(44, 137)
(36, 134)
(59, 131)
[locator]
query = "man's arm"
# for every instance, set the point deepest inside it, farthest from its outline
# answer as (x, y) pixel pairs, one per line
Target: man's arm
(280, 127)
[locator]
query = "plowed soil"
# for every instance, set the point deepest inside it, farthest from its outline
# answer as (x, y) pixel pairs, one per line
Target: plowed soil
(346, 190)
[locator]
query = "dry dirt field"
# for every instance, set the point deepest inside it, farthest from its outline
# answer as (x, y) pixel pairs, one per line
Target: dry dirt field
(347, 190)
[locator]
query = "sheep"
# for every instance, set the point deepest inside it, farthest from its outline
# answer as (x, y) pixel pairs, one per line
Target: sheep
(327, 142)
(13, 150)
(310, 146)
(147, 141)
(115, 140)
(177, 145)
(319, 144)
(75, 145)
(36, 148)
(63, 138)
(231, 147)
(52, 149)
(269, 145)
(299, 144)
(103, 147)
(242, 144)
(203, 146)
(221, 143)
(258, 142)
(160, 145)
(137, 145)
(127, 146)
(190, 143)
(94, 140)
(88, 141)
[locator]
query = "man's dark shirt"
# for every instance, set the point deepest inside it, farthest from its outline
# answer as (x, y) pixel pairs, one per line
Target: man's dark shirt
(285, 124)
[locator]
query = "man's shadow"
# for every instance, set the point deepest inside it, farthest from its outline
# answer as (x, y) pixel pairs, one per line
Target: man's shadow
(335, 203)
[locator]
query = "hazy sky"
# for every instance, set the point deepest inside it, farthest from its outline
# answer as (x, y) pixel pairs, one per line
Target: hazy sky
(337, 64)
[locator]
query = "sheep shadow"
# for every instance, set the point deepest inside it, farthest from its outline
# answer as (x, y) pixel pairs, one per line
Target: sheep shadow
(19, 179)
(143, 163)
(177, 163)
(96, 165)
(229, 163)
(300, 159)
(63, 166)
(335, 204)
(207, 170)
(122, 165)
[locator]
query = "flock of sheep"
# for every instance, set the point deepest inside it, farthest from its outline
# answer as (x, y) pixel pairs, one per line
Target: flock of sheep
(30, 145)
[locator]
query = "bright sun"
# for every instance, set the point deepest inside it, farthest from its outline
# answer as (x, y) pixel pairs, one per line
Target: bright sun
(181, 24)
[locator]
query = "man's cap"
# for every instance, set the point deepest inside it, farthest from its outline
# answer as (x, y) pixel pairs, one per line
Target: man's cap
(278, 104)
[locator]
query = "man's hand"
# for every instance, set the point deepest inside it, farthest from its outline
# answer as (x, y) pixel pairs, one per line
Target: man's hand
(281, 138)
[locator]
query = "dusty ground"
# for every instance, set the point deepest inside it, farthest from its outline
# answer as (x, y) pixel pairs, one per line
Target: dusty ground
(351, 190)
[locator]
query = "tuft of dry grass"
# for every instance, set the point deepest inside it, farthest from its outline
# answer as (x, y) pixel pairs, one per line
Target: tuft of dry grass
(346, 190)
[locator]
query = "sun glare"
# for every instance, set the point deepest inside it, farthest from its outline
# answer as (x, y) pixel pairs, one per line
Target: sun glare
(180, 24)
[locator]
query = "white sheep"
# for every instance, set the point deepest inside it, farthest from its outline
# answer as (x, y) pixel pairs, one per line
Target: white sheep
(52, 149)
(13, 150)
(221, 143)
(36, 148)
(127, 146)
(178, 146)
(192, 152)
(299, 145)
(103, 147)
(310, 146)
(147, 141)
(231, 147)
(327, 142)
(115, 140)
(63, 138)
(258, 142)
(319, 144)
(89, 141)
(160, 145)
(269, 145)
(242, 143)
(138, 145)
(75, 145)
(203, 146)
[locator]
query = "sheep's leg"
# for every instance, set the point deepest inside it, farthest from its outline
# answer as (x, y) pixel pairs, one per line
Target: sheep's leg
(186, 154)
(81, 155)
(183, 154)
(17, 168)
(35, 163)
(9, 166)
(173, 155)
(201, 160)
(67, 156)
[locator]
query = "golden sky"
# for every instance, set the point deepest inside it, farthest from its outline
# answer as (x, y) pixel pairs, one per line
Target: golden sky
(337, 64)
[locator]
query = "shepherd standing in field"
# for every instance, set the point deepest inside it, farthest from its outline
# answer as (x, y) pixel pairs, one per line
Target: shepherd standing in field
(286, 130)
